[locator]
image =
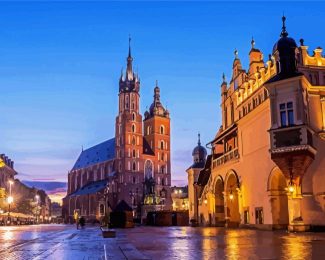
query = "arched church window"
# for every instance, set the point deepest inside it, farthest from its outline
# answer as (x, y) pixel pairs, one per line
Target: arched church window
(133, 116)
(162, 145)
(162, 169)
(133, 166)
(133, 128)
(148, 169)
(133, 153)
(133, 140)
(127, 102)
(162, 130)
(132, 101)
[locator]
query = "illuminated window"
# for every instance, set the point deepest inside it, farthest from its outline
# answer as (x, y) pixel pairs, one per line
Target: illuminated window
(286, 114)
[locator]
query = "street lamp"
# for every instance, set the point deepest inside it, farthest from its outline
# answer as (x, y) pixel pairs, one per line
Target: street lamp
(231, 196)
(37, 197)
(106, 191)
(10, 200)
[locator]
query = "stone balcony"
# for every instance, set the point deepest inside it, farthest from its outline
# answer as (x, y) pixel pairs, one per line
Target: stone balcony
(292, 148)
(227, 157)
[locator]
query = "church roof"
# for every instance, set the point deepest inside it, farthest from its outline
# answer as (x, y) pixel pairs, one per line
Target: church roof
(122, 206)
(91, 188)
(102, 152)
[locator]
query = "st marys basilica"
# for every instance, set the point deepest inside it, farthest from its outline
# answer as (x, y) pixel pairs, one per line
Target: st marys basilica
(134, 166)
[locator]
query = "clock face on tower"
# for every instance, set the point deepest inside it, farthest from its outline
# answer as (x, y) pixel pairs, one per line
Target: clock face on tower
(148, 169)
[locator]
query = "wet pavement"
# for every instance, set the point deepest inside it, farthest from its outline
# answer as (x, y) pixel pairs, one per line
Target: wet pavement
(65, 242)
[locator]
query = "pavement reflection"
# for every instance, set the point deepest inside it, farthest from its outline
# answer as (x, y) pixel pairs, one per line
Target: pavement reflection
(65, 242)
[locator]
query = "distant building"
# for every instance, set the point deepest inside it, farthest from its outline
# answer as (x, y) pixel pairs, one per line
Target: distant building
(266, 168)
(134, 166)
(179, 198)
(26, 200)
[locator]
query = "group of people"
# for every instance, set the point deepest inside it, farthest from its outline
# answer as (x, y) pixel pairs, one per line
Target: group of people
(80, 220)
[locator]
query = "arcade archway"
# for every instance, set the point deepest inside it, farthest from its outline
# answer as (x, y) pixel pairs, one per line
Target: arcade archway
(232, 214)
(219, 202)
(277, 187)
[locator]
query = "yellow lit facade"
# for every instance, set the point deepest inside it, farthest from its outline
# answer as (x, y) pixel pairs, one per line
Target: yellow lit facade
(266, 167)
(180, 198)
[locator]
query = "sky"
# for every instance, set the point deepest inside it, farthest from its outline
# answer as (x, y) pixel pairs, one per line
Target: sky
(60, 64)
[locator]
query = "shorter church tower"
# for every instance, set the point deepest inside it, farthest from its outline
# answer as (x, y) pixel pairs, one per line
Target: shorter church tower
(157, 140)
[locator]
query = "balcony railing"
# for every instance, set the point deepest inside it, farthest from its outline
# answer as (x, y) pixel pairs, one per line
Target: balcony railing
(294, 137)
(231, 155)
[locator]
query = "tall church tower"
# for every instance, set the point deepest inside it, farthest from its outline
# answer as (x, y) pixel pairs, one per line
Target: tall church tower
(157, 137)
(129, 138)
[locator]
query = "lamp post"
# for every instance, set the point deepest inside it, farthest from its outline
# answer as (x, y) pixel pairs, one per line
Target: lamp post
(10, 199)
(37, 197)
(106, 191)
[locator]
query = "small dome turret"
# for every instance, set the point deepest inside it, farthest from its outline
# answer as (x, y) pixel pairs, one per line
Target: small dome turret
(285, 52)
(156, 107)
(199, 152)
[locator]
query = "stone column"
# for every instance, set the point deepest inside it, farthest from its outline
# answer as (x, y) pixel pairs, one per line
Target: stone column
(322, 100)
(225, 196)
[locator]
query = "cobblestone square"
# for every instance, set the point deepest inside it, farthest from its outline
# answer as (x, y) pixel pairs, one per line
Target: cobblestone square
(66, 242)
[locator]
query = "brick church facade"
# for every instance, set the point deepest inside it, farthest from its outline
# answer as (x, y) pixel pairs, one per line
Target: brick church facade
(134, 166)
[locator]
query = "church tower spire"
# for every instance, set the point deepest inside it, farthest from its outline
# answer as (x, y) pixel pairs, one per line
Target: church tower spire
(129, 70)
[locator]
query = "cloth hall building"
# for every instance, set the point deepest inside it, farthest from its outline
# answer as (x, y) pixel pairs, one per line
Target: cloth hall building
(266, 168)
(133, 167)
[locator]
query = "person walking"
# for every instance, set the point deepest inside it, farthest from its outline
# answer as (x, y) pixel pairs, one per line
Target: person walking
(76, 218)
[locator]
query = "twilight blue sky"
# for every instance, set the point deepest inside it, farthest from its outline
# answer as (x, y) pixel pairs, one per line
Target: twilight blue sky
(60, 64)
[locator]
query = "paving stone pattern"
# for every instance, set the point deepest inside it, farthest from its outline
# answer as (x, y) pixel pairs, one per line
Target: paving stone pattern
(66, 242)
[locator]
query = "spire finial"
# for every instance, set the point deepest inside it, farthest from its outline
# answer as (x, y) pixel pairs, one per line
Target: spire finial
(253, 42)
(129, 70)
(284, 32)
(129, 45)
(199, 139)
(156, 83)
(223, 77)
(236, 54)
